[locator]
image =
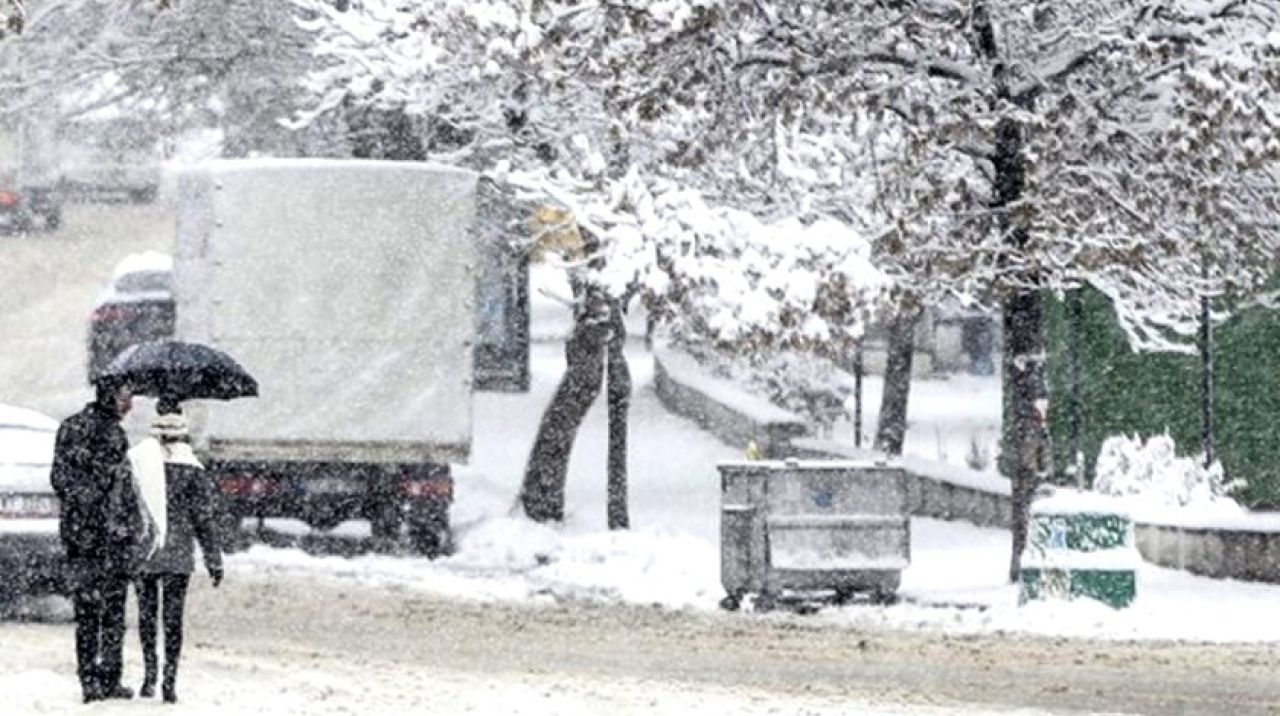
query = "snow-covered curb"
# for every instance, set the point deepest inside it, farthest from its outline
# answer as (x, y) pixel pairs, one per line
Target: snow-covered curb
(1232, 545)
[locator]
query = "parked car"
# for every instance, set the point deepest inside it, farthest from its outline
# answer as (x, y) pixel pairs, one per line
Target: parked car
(136, 307)
(136, 181)
(24, 209)
(31, 554)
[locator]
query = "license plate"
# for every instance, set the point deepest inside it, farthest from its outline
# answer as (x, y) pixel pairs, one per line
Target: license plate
(28, 506)
(331, 486)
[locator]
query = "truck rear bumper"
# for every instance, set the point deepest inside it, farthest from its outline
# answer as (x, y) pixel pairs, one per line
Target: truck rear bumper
(325, 494)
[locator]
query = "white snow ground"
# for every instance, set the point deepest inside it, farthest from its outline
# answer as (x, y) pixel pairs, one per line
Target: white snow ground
(956, 581)
(322, 689)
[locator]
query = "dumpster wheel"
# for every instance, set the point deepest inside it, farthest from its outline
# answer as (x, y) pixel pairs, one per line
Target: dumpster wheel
(731, 602)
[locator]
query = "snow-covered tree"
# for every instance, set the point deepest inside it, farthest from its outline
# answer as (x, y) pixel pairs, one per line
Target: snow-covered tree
(540, 94)
(995, 150)
(158, 68)
(1030, 147)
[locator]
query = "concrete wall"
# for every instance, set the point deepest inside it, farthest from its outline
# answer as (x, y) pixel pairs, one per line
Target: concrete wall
(1218, 552)
(1221, 553)
(927, 496)
(732, 425)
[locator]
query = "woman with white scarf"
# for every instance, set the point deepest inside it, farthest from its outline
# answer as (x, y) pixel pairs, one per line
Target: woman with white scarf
(179, 500)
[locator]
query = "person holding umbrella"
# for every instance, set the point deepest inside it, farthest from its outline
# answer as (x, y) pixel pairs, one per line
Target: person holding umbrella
(180, 500)
(176, 495)
(100, 533)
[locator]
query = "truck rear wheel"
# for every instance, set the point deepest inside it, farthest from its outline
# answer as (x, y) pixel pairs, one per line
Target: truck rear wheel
(431, 536)
(229, 532)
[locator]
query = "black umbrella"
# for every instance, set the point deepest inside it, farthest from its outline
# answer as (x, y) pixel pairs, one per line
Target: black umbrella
(177, 371)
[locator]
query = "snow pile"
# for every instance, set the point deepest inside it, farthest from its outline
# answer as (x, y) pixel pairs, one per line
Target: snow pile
(800, 382)
(512, 558)
(1152, 475)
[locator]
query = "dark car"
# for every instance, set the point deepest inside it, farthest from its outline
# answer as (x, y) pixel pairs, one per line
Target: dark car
(24, 209)
(136, 307)
(30, 550)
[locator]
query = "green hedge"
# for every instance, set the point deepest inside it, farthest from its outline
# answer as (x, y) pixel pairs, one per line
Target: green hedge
(1127, 393)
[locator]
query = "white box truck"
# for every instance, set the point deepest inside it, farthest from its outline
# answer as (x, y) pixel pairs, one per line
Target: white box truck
(346, 288)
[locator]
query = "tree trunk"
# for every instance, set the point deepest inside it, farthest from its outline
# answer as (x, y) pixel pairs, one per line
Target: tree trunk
(1028, 443)
(619, 399)
(892, 428)
(1028, 403)
(542, 494)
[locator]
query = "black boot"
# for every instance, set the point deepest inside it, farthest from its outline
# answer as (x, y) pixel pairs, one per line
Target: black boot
(148, 689)
(123, 693)
(167, 689)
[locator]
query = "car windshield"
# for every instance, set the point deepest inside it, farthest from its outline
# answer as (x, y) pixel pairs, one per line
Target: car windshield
(145, 282)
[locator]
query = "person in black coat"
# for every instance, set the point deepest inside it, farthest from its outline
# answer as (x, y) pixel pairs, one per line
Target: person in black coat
(187, 514)
(99, 530)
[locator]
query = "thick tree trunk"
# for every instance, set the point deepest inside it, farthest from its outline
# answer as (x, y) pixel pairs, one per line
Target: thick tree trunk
(1024, 364)
(1024, 361)
(619, 399)
(892, 428)
(542, 494)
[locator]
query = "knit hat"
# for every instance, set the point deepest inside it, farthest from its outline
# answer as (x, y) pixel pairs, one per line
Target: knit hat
(170, 427)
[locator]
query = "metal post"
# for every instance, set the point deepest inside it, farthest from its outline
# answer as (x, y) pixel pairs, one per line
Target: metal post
(857, 393)
(1206, 378)
(1075, 405)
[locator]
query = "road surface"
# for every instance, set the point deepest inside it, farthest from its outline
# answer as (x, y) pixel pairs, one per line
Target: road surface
(296, 644)
(299, 644)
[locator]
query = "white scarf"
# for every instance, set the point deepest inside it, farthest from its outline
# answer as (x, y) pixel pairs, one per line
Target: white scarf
(148, 458)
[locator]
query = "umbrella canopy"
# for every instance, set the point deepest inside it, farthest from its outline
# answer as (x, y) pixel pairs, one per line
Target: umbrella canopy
(179, 371)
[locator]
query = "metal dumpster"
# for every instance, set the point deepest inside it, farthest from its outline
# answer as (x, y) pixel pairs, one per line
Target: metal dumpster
(799, 528)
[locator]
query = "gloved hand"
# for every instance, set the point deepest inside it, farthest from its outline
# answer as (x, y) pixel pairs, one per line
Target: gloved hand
(215, 574)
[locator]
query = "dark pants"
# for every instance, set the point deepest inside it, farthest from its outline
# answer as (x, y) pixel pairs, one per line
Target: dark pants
(171, 589)
(99, 605)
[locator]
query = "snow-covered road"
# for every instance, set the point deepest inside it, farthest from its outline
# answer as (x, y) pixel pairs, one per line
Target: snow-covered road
(296, 644)
(246, 656)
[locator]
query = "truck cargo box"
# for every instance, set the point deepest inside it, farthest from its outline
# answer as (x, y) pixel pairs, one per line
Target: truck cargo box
(346, 288)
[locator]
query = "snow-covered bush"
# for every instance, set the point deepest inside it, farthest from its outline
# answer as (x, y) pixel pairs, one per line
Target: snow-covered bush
(1152, 470)
(805, 383)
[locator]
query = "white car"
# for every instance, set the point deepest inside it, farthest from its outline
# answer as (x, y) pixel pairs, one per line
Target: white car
(31, 555)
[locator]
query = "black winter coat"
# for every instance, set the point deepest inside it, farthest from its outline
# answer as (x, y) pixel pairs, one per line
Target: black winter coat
(101, 521)
(190, 496)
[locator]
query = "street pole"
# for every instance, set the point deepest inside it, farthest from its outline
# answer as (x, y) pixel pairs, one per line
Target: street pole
(857, 394)
(1206, 376)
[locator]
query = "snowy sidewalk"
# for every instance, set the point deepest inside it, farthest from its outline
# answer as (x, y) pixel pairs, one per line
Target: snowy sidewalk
(956, 582)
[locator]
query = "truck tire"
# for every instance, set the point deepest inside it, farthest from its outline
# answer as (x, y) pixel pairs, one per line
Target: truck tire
(431, 536)
(229, 532)
(385, 521)
(53, 220)
(324, 520)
